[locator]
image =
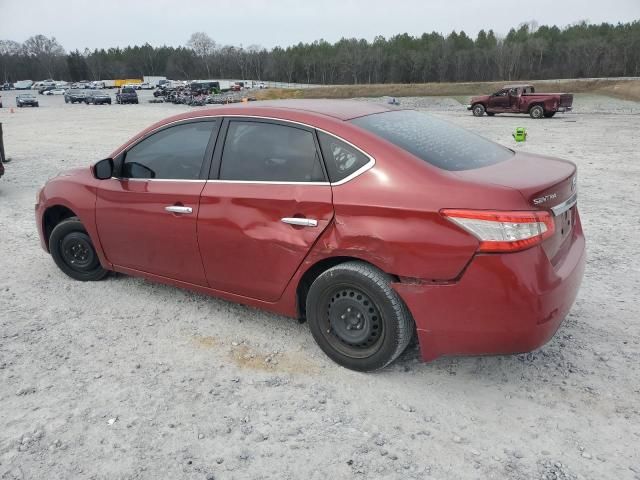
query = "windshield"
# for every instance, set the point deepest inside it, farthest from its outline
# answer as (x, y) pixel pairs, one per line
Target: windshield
(435, 141)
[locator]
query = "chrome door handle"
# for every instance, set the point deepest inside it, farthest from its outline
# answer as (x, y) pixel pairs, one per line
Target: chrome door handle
(301, 222)
(178, 209)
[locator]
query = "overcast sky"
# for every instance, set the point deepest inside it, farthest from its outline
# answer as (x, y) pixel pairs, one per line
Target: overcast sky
(88, 23)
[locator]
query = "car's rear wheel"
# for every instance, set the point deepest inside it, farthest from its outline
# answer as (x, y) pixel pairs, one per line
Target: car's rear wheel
(536, 112)
(74, 253)
(356, 318)
(478, 110)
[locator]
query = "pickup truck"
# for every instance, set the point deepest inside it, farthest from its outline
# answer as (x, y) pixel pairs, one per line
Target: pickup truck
(126, 95)
(521, 99)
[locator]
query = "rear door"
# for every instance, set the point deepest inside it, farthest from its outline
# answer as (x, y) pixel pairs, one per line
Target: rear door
(266, 205)
(147, 218)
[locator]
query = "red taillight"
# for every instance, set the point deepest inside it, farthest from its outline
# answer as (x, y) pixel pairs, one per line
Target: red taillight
(503, 231)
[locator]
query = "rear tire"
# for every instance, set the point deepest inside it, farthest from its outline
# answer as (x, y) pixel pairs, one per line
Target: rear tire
(478, 110)
(74, 253)
(536, 112)
(356, 318)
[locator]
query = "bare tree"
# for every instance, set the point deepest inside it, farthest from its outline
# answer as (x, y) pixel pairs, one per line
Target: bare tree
(47, 50)
(204, 47)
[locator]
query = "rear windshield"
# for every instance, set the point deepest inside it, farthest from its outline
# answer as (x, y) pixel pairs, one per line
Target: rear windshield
(128, 90)
(433, 140)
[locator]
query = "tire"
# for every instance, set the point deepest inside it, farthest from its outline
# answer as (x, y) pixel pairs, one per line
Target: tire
(73, 251)
(478, 110)
(549, 114)
(356, 318)
(536, 112)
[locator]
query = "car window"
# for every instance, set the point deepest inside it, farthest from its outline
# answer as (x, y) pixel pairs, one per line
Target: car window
(340, 158)
(258, 151)
(435, 141)
(174, 153)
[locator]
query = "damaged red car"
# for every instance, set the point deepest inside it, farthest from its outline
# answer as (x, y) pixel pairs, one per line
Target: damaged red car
(372, 223)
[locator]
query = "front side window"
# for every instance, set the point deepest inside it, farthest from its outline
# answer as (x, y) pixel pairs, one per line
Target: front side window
(340, 158)
(174, 153)
(258, 151)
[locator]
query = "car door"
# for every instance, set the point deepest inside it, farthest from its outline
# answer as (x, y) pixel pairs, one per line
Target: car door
(147, 217)
(499, 101)
(266, 205)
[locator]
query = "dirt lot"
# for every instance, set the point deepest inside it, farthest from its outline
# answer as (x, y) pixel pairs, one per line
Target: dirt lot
(128, 379)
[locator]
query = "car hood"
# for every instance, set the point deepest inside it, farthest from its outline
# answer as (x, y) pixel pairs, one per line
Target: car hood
(480, 98)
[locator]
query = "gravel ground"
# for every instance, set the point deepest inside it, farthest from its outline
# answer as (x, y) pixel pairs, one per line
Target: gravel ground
(129, 379)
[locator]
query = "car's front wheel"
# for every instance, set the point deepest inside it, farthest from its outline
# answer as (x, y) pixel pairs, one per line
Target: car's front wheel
(74, 253)
(478, 110)
(356, 318)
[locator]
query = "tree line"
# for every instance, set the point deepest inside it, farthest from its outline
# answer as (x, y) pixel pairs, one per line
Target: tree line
(530, 51)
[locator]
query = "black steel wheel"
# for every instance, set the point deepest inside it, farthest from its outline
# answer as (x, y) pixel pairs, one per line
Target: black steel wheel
(73, 252)
(356, 318)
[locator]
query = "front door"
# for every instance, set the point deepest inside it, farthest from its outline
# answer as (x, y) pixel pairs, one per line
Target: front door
(268, 206)
(499, 101)
(147, 218)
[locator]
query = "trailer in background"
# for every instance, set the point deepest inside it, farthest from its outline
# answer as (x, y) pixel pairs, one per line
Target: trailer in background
(153, 80)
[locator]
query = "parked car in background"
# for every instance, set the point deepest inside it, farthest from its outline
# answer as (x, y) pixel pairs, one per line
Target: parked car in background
(97, 97)
(27, 99)
(45, 88)
(145, 86)
(521, 99)
(0, 101)
(55, 91)
(126, 95)
(75, 96)
(7, 86)
(372, 223)
(23, 85)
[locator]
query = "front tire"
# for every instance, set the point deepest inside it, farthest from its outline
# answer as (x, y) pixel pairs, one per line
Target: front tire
(356, 318)
(536, 112)
(478, 110)
(74, 253)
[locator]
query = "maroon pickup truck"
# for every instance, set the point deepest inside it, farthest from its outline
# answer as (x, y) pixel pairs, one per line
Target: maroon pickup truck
(521, 99)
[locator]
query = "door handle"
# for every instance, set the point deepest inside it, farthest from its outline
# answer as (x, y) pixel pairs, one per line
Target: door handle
(178, 209)
(301, 222)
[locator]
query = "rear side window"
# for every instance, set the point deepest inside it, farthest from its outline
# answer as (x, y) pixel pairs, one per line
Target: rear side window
(435, 141)
(340, 158)
(174, 153)
(257, 151)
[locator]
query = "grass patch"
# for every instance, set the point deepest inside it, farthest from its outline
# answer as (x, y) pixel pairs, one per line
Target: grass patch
(625, 89)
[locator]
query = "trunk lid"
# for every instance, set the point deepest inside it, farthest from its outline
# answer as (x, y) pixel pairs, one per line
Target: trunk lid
(545, 184)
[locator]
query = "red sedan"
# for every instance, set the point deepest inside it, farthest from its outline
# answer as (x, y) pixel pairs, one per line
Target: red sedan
(371, 222)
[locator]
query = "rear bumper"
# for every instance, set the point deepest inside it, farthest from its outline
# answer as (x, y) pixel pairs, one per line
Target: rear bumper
(503, 304)
(564, 109)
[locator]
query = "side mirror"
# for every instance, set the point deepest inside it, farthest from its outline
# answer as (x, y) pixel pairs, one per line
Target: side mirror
(103, 170)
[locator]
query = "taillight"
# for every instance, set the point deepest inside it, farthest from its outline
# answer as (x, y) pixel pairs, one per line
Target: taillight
(503, 231)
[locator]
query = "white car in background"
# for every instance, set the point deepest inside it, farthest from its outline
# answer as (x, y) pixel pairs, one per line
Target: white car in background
(55, 91)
